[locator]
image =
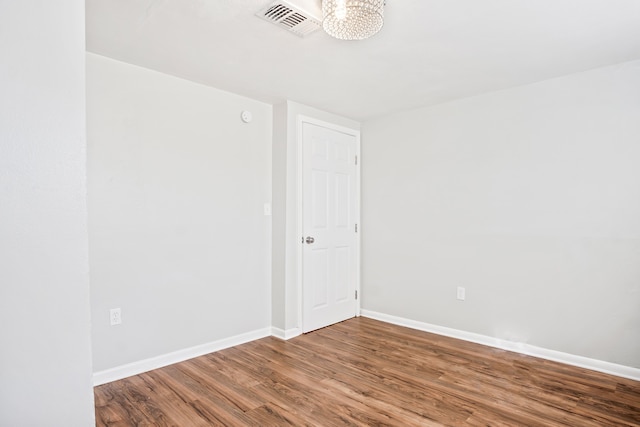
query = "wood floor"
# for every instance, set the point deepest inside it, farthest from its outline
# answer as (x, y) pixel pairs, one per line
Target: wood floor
(367, 373)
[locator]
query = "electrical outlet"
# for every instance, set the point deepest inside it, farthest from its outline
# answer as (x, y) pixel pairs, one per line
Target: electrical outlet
(115, 316)
(461, 293)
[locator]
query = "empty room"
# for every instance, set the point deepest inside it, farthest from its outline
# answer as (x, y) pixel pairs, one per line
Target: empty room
(320, 212)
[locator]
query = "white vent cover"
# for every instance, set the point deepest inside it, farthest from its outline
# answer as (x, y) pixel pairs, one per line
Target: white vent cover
(289, 17)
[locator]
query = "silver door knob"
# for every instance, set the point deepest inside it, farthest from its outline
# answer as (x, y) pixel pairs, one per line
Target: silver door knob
(309, 240)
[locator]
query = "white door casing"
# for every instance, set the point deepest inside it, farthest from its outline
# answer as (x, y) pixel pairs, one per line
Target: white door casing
(330, 215)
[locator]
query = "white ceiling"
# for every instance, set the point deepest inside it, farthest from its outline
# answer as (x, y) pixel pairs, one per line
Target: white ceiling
(428, 52)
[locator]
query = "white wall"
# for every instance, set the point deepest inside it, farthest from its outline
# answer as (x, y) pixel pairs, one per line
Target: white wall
(529, 198)
(178, 237)
(279, 222)
(45, 354)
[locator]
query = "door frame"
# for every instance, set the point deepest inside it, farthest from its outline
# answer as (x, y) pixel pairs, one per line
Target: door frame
(300, 119)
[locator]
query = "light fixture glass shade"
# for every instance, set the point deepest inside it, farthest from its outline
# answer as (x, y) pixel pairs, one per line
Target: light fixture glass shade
(352, 19)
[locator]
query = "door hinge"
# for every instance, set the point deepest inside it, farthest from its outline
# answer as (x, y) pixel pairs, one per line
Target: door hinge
(356, 160)
(356, 294)
(356, 228)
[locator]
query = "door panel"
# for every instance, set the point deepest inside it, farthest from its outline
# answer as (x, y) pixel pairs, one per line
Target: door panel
(329, 208)
(319, 264)
(342, 274)
(319, 203)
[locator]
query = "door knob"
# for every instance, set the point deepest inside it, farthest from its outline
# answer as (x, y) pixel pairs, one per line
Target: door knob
(309, 240)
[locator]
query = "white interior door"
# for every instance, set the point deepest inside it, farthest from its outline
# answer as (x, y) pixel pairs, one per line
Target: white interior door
(329, 222)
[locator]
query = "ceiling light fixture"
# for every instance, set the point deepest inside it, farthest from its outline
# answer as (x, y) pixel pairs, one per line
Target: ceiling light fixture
(352, 19)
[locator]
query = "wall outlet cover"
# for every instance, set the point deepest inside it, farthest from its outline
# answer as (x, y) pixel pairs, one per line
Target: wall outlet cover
(115, 316)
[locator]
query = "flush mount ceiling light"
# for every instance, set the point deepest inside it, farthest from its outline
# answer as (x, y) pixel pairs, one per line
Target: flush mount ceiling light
(352, 19)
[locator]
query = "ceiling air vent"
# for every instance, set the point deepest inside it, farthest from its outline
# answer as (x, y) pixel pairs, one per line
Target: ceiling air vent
(289, 17)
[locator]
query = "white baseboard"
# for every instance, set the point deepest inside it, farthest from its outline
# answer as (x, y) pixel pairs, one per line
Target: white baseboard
(523, 348)
(124, 371)
(135, 368)
(285, 335)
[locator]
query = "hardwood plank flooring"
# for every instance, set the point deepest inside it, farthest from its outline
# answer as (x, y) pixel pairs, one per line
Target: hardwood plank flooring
(368, 373)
